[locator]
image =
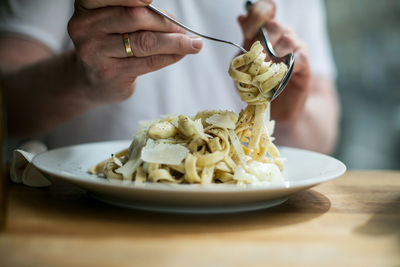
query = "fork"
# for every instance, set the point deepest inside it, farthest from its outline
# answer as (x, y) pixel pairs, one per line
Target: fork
(288, 59)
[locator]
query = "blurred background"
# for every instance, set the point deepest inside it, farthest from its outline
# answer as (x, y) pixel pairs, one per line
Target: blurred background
(365, 38)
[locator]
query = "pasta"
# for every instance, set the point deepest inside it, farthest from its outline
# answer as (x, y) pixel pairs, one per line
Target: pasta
(212, 146)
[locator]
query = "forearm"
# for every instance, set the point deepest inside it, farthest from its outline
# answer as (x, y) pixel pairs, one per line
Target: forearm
(317, 126)
(41, 95)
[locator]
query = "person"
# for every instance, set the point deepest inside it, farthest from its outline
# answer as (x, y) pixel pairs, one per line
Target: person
(97, 90)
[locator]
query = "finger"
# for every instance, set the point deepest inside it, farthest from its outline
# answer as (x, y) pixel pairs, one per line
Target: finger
(276, 30)
(92, 4)
(285, 45)
(291, 43)
(147, 43)
(121, 20)
(139, 66)
(259, 13)
(139, 18)
(302, 66)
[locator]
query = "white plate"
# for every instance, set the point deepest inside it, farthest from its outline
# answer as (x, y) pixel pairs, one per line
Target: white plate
(302, 169)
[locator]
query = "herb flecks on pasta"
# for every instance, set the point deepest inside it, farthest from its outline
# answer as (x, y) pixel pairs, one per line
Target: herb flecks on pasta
(213, 146)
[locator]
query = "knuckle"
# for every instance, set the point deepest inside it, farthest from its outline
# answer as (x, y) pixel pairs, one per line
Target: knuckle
(176, 28)
(288, 30)
(137, 13)
(270, 4)
(125, 91)
(73, 27)
(265, 9)
(273, 7)
(154, 61)
(146, 42)
(79, 26)
(106, 71)
(182, 43)
(258, 14)
(302, 55)
(272, 26)
(286, 38)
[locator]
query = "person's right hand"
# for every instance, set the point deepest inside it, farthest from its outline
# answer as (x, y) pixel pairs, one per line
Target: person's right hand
(97, 29)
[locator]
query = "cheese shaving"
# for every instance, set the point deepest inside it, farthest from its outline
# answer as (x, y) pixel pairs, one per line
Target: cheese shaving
(222, 120)
(163, 153)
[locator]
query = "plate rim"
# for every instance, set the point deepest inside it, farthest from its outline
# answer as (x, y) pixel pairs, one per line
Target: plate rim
(192, 188)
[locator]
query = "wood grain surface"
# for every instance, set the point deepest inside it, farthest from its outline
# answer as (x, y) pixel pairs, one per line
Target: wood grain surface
(351, 221)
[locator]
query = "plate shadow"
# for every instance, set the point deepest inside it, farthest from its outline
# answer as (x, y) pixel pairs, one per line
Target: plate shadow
(70, 211)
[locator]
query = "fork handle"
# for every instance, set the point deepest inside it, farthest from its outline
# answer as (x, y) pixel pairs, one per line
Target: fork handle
(262, 35)
(165, 15)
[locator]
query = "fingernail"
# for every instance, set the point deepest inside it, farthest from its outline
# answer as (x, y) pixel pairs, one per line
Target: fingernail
(197, 43)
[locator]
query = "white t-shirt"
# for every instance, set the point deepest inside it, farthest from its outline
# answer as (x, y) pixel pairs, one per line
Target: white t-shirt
(195, 83)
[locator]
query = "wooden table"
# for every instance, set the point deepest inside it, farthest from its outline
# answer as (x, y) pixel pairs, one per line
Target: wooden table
(351, 221)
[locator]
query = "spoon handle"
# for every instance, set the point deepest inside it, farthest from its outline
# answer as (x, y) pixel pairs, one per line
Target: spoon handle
(262, 35)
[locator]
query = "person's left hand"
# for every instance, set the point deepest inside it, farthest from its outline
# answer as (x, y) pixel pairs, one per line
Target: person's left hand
(290, 103)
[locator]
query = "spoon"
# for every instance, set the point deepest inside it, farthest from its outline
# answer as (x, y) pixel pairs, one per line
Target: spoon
(288, 59)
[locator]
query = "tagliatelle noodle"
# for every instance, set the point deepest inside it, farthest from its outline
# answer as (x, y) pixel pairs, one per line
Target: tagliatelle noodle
(211, 146)
(252, 74)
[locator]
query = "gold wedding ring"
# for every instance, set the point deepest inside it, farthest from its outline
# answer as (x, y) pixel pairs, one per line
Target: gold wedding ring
(127, 44)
